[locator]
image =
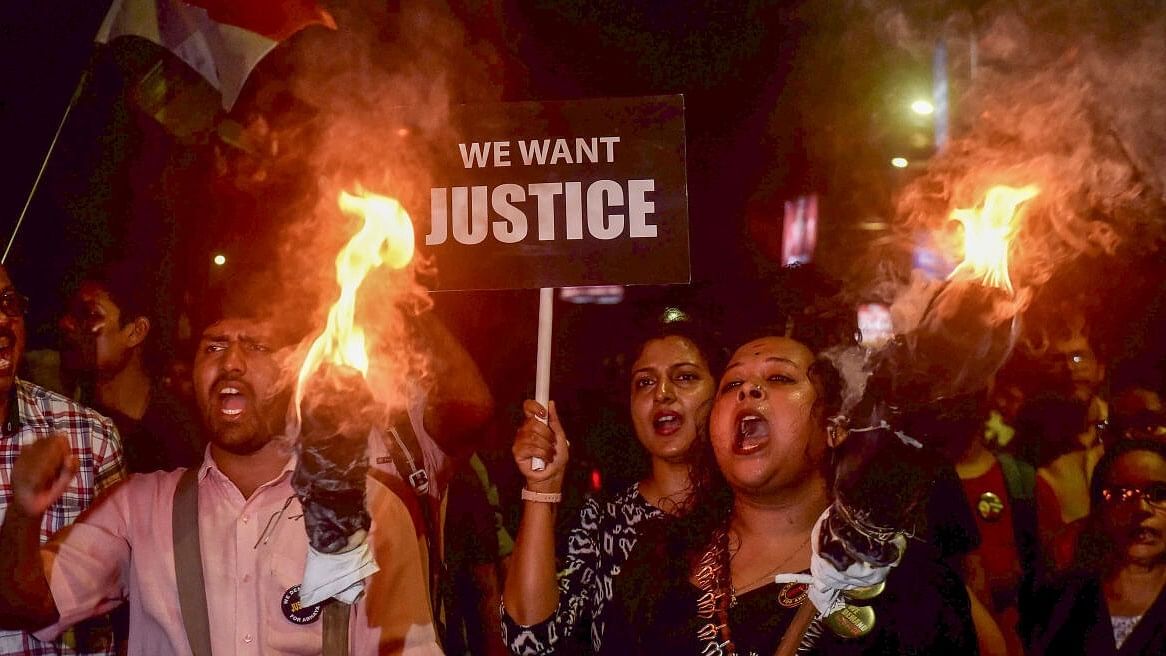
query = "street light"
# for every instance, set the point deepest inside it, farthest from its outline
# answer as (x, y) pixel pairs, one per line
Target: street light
(922, 107)
(899, 162)
(219, 259)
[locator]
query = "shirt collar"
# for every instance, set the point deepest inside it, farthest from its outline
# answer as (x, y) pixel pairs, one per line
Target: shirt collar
(208, 463)
(15, 420)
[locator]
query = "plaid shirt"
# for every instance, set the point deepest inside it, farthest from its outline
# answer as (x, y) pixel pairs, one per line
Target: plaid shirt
(96, 446)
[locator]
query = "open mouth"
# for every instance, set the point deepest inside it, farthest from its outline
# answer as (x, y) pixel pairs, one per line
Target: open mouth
(1145, 535)
(667, 422)
(232, 401)
(752, 433)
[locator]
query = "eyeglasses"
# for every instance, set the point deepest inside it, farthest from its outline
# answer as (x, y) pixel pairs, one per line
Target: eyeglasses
(13, 303)
(1154, 494)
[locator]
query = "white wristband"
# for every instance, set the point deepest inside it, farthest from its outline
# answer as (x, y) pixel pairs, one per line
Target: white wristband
(542, 497)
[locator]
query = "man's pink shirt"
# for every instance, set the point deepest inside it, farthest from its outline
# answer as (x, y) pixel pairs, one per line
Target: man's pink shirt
(253, 551)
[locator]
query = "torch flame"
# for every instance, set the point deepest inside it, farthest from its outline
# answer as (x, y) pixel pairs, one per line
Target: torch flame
(988, 234)
(385, 239)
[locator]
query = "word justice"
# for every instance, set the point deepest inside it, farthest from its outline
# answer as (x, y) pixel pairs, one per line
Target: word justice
(472, 214)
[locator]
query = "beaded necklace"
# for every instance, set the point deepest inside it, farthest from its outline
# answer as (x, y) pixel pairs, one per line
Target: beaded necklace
(712, 577)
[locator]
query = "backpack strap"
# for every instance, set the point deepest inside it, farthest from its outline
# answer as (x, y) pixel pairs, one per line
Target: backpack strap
(188, 564)
(1020, 481)
(405, 451)
(1019, 477)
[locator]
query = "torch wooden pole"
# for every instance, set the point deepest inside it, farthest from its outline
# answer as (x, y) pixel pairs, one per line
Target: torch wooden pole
(792, 639)
(542, 368)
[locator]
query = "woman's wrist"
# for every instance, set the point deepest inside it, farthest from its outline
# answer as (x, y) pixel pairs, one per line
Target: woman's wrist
(541, 497)
(551, 486)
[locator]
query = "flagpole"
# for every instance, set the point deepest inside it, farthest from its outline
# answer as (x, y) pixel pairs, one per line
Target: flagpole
(45, 162)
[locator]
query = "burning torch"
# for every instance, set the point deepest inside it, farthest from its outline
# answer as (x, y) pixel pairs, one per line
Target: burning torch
(334, 410)
(955, 335)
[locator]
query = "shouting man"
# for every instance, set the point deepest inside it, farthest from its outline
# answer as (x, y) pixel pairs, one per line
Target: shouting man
(237, 590)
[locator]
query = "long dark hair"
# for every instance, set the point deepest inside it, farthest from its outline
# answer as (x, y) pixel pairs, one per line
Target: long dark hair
(1095, 549)
(669, 320)
(670, 548)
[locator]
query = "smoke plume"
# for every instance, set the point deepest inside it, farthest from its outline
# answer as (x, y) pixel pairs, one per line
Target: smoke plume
(356, 108)
(1070, 97)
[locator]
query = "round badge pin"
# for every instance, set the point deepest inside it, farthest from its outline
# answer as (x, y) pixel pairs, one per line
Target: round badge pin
(793, 594)
(990, 506)
(851, 621)
(296, 612)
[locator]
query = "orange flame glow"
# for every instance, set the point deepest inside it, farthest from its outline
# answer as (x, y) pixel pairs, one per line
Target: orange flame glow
(988, 233)
(385, 239)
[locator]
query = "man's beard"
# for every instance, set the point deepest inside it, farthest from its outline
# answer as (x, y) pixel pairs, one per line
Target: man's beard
(239, 437)
(239, 440)
(252, 434)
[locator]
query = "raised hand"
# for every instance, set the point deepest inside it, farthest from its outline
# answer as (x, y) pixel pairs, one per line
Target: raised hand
(539, 438)
(41, 473)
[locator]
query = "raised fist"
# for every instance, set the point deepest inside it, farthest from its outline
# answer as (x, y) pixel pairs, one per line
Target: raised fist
(41, 473)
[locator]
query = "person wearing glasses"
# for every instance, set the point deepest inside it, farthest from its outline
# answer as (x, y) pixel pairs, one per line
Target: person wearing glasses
(1112, 601)
(30, 414)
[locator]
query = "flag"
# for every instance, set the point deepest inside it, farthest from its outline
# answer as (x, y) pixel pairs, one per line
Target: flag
(221, 39)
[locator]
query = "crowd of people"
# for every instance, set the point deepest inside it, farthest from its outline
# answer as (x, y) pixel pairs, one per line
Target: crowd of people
(156, 510)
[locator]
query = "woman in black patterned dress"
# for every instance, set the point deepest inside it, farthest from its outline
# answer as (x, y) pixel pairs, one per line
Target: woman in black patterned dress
(671, 390)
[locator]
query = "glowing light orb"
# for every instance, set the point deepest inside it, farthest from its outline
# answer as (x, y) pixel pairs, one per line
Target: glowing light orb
(923, 107)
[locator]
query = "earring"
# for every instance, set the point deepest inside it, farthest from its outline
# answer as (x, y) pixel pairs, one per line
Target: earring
(834, 435)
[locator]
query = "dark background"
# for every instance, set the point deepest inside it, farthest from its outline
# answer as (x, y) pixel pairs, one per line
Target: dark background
(782, 98)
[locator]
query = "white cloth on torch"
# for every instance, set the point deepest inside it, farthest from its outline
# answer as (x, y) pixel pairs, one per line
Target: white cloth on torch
(336, 575)
(827, 583)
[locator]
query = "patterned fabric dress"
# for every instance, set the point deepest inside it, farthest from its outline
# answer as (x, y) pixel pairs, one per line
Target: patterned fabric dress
(597, 548)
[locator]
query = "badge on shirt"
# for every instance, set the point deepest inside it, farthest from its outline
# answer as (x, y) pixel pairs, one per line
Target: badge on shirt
(990, 506)
(294, 611)
(793, 594)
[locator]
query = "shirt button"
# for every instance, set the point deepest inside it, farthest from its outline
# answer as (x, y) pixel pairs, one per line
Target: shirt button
(246, 518)
(247, 638)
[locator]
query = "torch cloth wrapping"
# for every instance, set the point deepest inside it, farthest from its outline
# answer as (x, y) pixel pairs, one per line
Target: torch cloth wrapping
(329, 481)
(329, 478)
(827, 582)
(336, 575)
